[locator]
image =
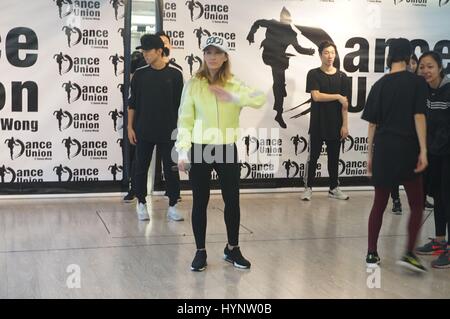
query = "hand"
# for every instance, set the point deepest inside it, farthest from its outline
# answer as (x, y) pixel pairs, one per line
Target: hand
(220, 93)
(344, 132)
(422, 162)
(132, 136)
(251, 38)
(181, 166)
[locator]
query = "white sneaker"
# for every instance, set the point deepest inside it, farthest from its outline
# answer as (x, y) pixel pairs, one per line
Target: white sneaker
(141, 210)
(173, 214)
(307, 193)
(338, 194)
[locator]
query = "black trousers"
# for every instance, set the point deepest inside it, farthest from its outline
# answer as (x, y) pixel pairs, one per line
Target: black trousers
(144, 151)
(315, 146)
(200, 177)
(395, 192)
(439, 175)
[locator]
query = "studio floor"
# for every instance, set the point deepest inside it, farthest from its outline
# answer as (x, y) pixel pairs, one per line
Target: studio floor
(97, 248)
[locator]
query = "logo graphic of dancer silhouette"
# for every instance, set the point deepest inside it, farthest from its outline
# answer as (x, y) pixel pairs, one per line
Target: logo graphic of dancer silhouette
(114, 169)
(191, 59)
(68, 87)
(7, 170)
(11, 142)
(115, 60)
(60, 58)
(116, 4)
(296, 140)
(192, 5)
(199, 33)
(60, 114)
(60, 4)
(114, 116)
(68, 31)
(68, 142)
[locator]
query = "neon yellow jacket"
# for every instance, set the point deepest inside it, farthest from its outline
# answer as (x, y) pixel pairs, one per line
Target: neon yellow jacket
(203, 119)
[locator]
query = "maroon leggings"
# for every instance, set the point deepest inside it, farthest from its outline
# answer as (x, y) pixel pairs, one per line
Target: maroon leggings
(414, 191)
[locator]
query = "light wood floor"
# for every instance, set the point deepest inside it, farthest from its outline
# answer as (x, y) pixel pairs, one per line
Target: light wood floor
(298, 250)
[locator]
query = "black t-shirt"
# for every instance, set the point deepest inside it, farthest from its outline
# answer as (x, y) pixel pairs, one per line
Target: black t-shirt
(155, 96)
(393, 101)
(326, 117)
(391, 105)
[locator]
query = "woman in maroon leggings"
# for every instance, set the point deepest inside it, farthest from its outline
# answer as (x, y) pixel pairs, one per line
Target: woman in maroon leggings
(395, 111)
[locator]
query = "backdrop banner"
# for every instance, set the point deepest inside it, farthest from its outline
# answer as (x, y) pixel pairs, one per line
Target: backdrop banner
(274, 55)
(61, 103)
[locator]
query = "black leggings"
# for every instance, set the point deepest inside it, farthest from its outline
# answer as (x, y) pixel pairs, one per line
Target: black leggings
(200, 178)
(315, 147)
(439, 175)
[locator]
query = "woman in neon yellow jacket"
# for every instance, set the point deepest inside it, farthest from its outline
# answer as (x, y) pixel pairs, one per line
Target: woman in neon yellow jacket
(208, 122)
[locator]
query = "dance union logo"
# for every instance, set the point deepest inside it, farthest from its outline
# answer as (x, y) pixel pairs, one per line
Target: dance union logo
(85, 122)
(86, 66)
(37, 150)
(417, 3)
(352, 168)
(266, 146)
(95, 38)
(87, 10)
(94, 150)
(256, 171)
(216, 13)
(96, 94)
(67, 174)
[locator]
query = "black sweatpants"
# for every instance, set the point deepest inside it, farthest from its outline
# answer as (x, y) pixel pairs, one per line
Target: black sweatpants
(439, 175)
(200, 177)
(315, 146)
(144, 151)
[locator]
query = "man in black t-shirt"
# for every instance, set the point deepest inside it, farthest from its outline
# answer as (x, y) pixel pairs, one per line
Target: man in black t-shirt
(152, 117)
(329, 90)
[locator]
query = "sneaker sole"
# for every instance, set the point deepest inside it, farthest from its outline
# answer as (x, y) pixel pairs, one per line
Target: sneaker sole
(373, 265)
(428, 253)
(410, 267)
(306, 199)
(198, 269)
(174, 219)
(335, 197)
(440, 267)
(236, 265)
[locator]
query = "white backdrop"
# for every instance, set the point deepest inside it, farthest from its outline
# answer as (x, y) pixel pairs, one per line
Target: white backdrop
(354, 26)
(64, 137)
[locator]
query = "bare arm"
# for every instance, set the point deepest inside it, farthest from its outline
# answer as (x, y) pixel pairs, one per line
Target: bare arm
(317, 96)
(370, 135)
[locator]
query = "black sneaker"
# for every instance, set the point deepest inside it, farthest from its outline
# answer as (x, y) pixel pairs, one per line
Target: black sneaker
(372, 259)
(235, 257)
(199, 262)
(396, 207)
(411, 262)
(129, 197)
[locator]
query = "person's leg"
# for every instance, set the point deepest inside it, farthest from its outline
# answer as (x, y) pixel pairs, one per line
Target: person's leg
(395, 192)
(376, 216)
(172, 180)
(445, 184)
(414, 191)
(200, 177)
(436, 171)
(228, 173)
(333, 148)
(144, 151)
(315, 146)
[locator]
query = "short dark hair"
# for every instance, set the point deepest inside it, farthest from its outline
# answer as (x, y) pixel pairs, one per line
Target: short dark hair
(436, 57)
(400, 50)
(326, 44)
